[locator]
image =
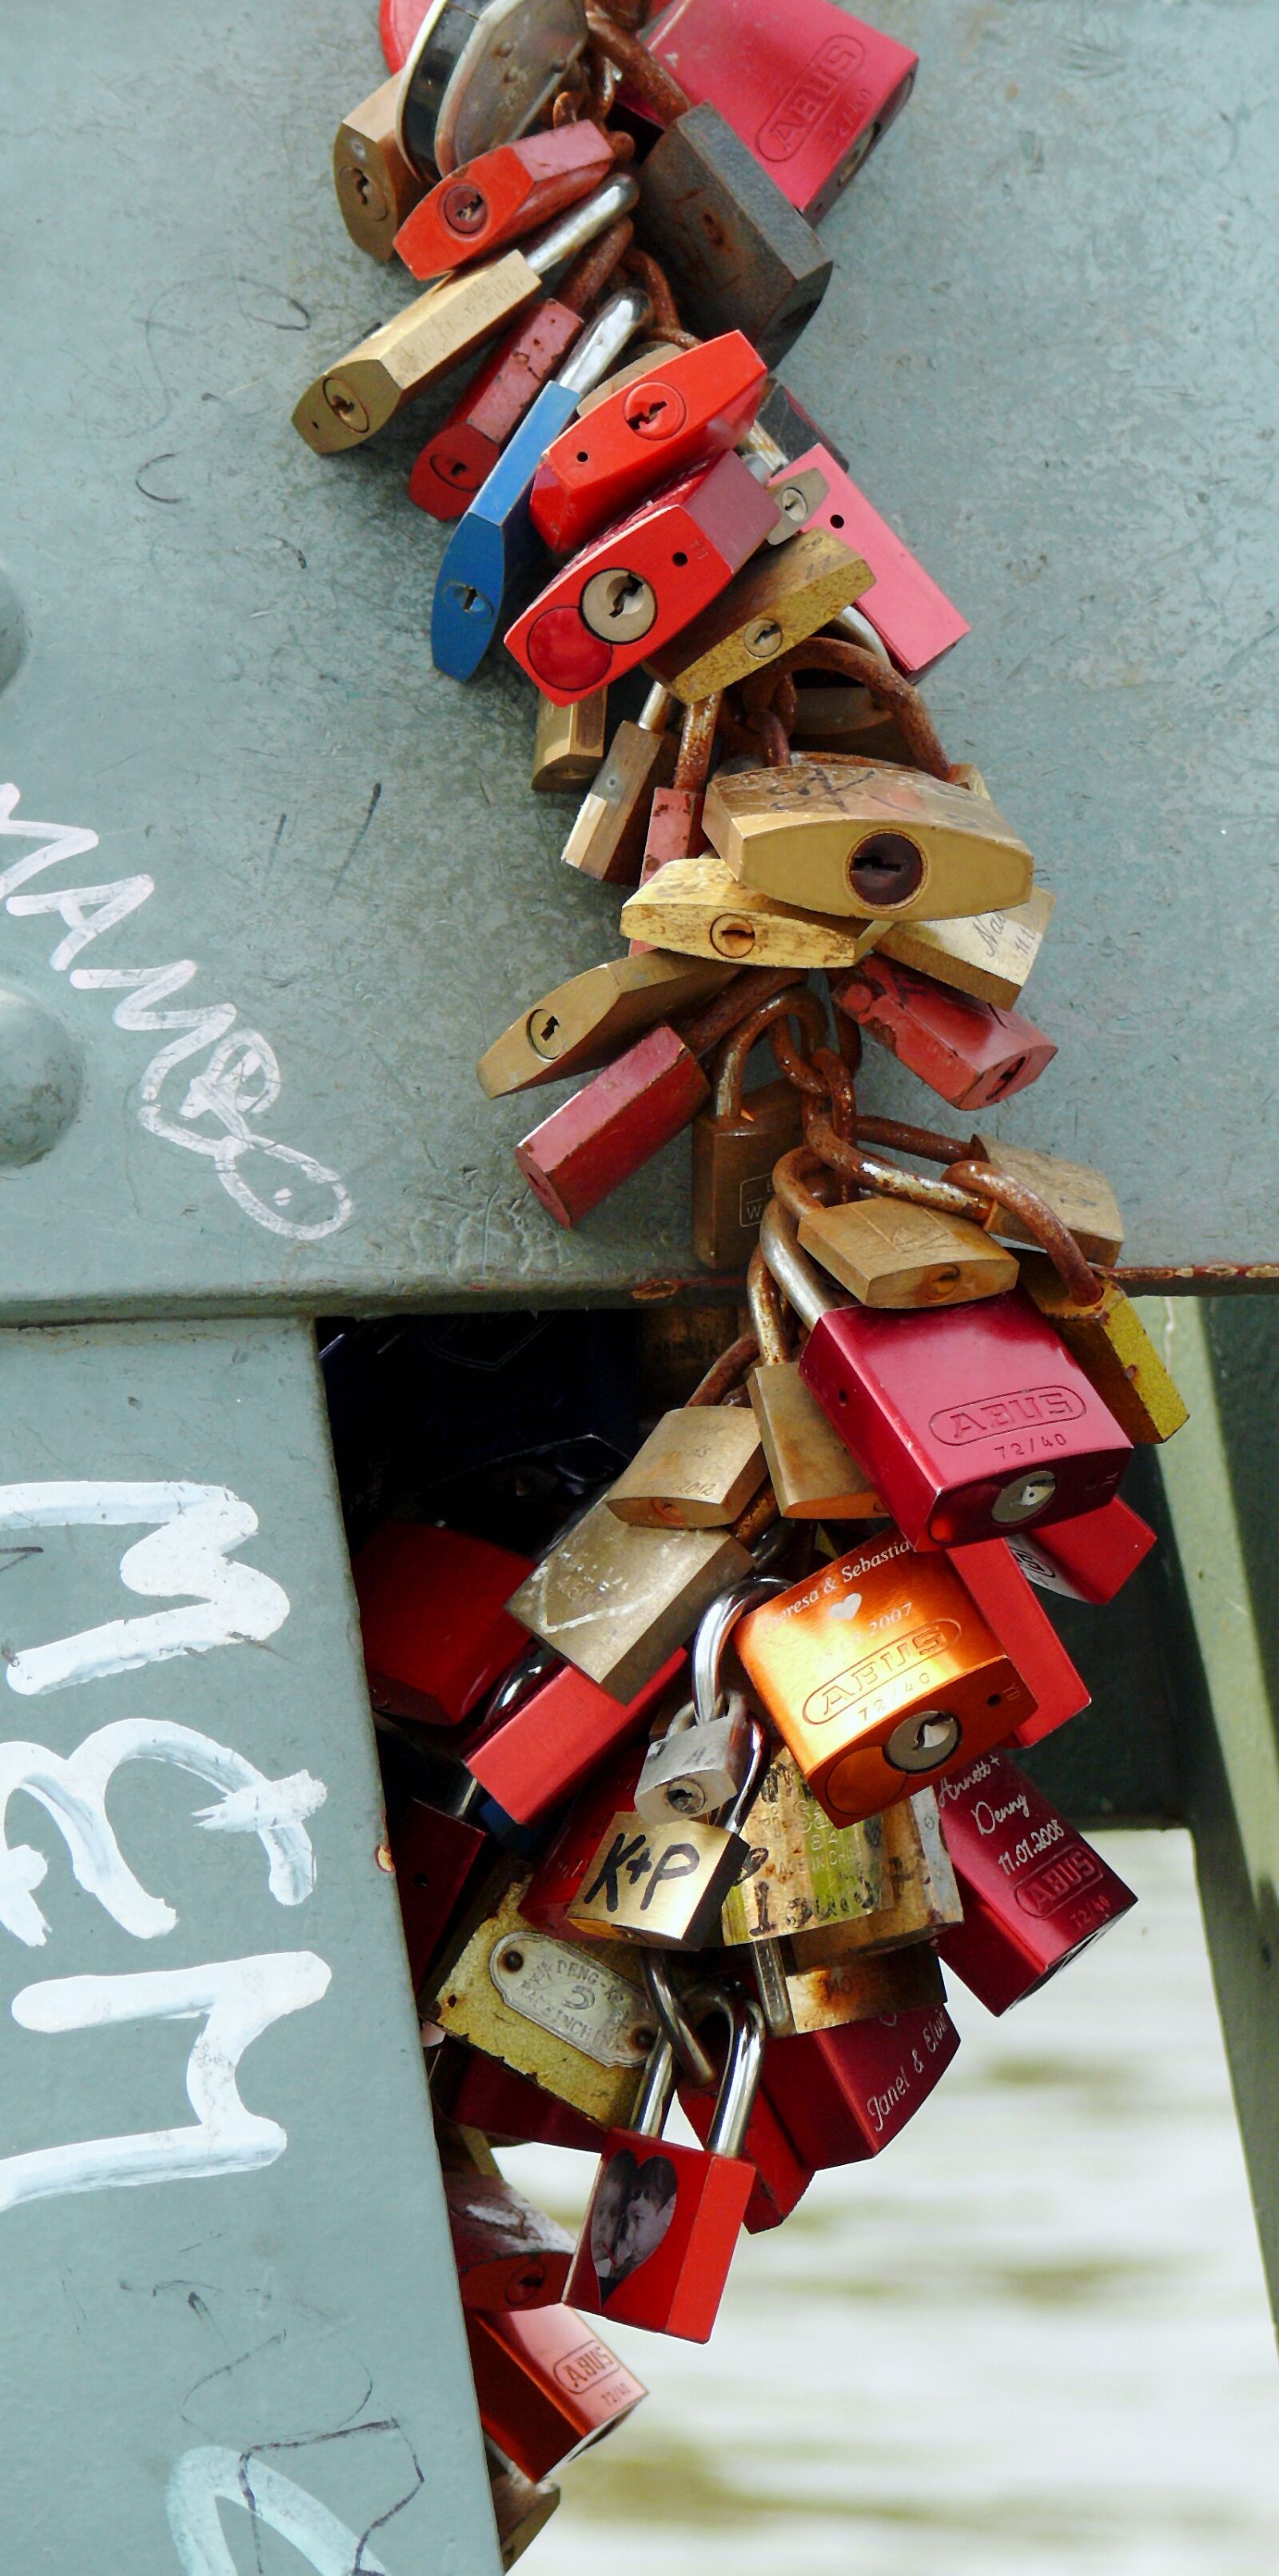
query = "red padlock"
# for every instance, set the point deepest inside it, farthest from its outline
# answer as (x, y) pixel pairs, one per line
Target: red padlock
(438, 1861)
(478, 2092)
(781, 2176)
(808, 89)
(845, 2094)
(558, 1876)
(546, 2386)
(639, 583)
(536, 1754)
(913, 618)
(970, 1052)
(462, 452)
(508, 2254)
(1087, 1559)
(696, 405)
(501, 195)
(437, 1633)
(663, 2220)
(993, 1579)
(970, 1421)
(1035, 1893)
(398, 23)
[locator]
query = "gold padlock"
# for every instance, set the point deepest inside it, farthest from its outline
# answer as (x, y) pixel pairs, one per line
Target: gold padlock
(919, 1892)
(569, 743)
(595, 1016)
(617, 1601)
(698, 907)
(377, 188)
(813, 1474)
(989, 954)
(1079, 1195)
(819, 1982)
(607, 839)
(802, 1873)
(552, 2008)
(1114, 1350)
(777, 599)
(893, 1252)
(868, 839)
(697, 1470)
(664, 1884)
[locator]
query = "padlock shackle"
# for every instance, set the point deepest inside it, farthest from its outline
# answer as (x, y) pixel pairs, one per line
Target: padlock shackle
(653, 85)
(697, 742)
(725, 1373)
(666, 321)
(739, 2084)
(593, 267)
(804, 1286)
(924, 1141)
(703, 1030)
(655, 2091)
(797, 1181)
(733, 1816)
(532, 1664)
(730, 1068)
(714, 1629)
(600, 345)
(591, 215)
(763, 1297)
(672, 2014)
(997, 1189)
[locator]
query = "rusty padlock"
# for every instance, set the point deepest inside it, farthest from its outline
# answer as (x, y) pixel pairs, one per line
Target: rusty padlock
(736, 1140)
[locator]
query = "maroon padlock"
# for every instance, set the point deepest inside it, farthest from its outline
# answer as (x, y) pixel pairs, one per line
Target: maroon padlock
(437, 1633)
(439, 1860)
(845, 2094)
(1088, 1559)
(478, 2092)
(993, 1579)
(507, 2253)
(1034, 1892)
(970, 1052)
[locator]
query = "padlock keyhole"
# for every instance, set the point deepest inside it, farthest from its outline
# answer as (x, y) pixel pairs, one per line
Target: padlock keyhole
(885, 869)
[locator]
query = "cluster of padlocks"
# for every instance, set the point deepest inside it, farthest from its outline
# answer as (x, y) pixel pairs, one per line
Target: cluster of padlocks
(697, 1800)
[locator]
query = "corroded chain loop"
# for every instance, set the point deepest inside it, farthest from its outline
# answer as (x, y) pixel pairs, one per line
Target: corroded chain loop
(843, 1106)
(593, 267)
(727, 1372)
(997, 1190)
(796, 1067)
(730, 1064)
(702, 1030)
(697, 741)
(887, 688)
(803, 1183)
(924, 1141)
(884, 1180)
(773, 739)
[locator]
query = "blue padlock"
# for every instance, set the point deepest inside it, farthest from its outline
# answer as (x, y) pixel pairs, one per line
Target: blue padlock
(495, 558)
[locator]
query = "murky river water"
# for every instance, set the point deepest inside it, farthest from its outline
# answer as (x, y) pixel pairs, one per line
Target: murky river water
(1031, 2337)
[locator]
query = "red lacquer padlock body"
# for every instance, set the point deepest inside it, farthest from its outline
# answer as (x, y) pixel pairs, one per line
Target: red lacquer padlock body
(535, 1758)
(970, 1052)
(970, 1421)
(398, 23)
(462, 452)
(557, 1879)
(911, 615)
(438, 1861)
(437, 1633)
(501, 195)
(843, 2095)
(659, 2234)
(808, 89)
(1035, 1893)
(478, 2092)
(1087, 1559)
(613, 1125)
(781, 2176)
(992, 1577)
(638, 584)
(546, 2386)
(508, 2255)
(692, 408)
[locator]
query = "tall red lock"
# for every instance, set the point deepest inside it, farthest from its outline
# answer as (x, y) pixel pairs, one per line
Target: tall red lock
(501, 195)
(1035, 1893)
(639, 583)
(534, 1756)
(971, 1421)
(808, 89)
(437, 1633)
(972, 1053)
(845, 2094)
(663, 2221)
(912, 617)
(781, 2176)
(546, 2386)
(693, 407)
(462, 452)
(993, 1579)
(439, 1861)
(1087, 1559)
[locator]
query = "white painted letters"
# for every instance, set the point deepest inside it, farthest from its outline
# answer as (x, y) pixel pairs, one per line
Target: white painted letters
(205, 2479)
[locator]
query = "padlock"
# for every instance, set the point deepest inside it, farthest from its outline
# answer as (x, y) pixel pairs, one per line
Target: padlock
(569, 2015)
(494, 555)
(993, 1579)
(989, 954)
(812, 1473)
(655, 353)
(608, 1790)
(532, 1757)
(843, 2095)
(880, 1672)
(507, 2253)
(1089, 1558)
(1111, 1345)
(433, 1617)
(642, 580)
(697, 1765)
(664, 1884)
(973, 1422)
(521, 2507)
(791, 427)
(663, 2220)
(821, 1983)
(546, 2386)
(802, 1873)
(1035, 1893)
(569, 744)
(889, 1252)
(736, 1141)
(912, 617)
(663, 423)
(618, 1601)
(607, 839)
(698, 1469)
(738, 256)
(843, 836)
(1081, 1196)
(698, 908)
(503, 195)
(481, 72)
(774, 602)
(638, 1104)
(376, 187)
(440, 1861)
(918, 1892)
(460, 455)
(969, 1052)
(509, 2109)
(595, 1016)
(363, 390)
(808, 89)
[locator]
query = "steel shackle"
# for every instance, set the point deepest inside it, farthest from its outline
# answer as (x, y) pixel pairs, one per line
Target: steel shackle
(713, 1631)
(680, 2043)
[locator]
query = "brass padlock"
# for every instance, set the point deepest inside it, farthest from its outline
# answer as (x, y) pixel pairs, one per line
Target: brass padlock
(376, 185)
(607, 840)
(820, 1982)
(1081, 1196)
(1114, 1350)
(988, 954)
(802, 1873)
(552, 2008)
(882, 843)
(698, 907)
(919, 1893)
(697, 1469)
(737, 1141)
(617, 1601)
(892, 1252)
(664, 1884)
(595, 1016)
(777, 599)
(569, 744)
(812, 1472)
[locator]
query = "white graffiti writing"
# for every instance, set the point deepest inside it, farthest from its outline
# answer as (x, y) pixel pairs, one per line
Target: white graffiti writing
(205, 2479)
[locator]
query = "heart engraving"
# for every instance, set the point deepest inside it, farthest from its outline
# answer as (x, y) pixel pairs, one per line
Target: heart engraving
(632, 2209)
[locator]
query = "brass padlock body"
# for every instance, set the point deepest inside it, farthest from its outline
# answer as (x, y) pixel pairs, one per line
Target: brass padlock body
(866, 839)
(892, 1253)
(987, 954)
(733, 1159)
(595, 1016)
(1081, 1196)
(569, 744)
(360, 392)
(813, 1474)
(659, 1884)
(607, 839)
(697, 1469)
(697, 907)
(1115, 1352)
(575, 2020)
(618, 1601)
(777, 599)
(802, 1873)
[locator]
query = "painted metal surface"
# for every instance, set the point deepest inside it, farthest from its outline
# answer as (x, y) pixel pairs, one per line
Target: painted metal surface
(231, 2336)
(1040, 349)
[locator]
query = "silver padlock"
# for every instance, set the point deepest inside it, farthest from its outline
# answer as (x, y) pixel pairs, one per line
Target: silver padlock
(696, 1766)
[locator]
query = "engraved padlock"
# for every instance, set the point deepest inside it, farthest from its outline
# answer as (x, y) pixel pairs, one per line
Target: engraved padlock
(664, 1884)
